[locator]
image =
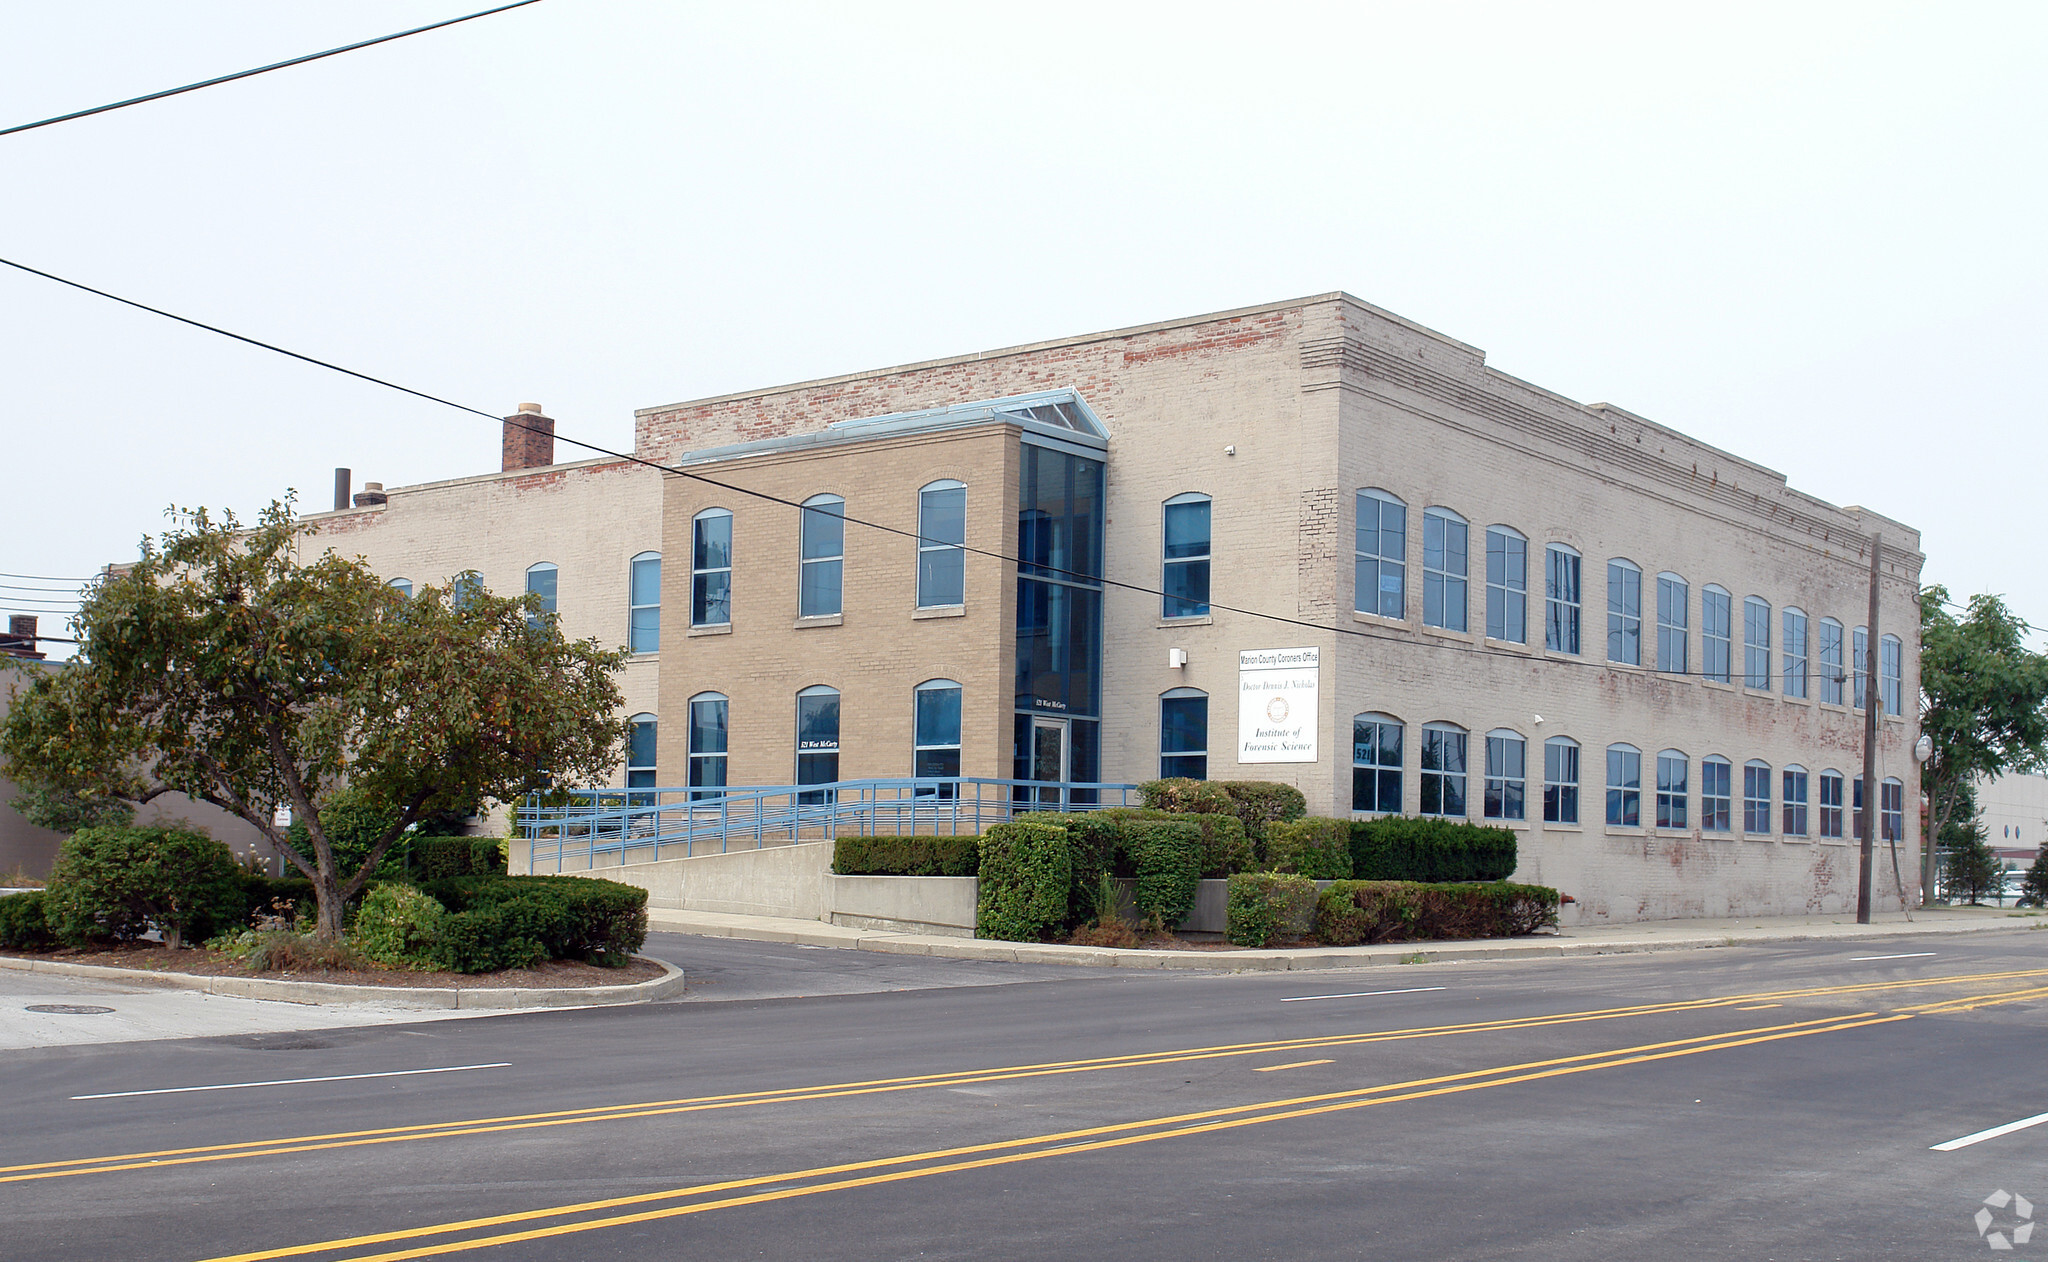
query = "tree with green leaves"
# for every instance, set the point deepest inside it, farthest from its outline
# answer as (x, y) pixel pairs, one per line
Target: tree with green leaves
(2034, 887)
(223, 666)
(1983, 702)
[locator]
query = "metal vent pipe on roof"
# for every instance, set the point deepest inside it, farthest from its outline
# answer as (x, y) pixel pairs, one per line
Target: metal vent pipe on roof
(341, 489)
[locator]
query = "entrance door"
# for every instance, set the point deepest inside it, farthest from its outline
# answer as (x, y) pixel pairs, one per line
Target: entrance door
(1049, 761)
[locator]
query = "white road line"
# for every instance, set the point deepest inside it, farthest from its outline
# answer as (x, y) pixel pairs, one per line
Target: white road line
(1910, 955)
(293, 1082)
(1993, 1133)
(1363, 994)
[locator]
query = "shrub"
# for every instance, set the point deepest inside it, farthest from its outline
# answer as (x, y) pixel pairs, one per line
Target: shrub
(264, 950)
(1225, 848)
(122, 881)
(438, 858)
(906, 856)
(1352, 912)
(1166, 856)
(399, 925)
(497, 922)
(354, 822)
(1264, 906)
(1026, 875)
(22, 927)
(275, 896)
(1255, 803)
(1403, 848)
(1094, 839)
(1319, 849)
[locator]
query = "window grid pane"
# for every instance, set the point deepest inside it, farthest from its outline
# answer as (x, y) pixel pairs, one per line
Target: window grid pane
(1756, 643)
(1184, 737)
(1507, 586)
(1624, 787)
(644, 626)
(1830, 653)
(941, 556)
(1888, 678)
(1506, 777)
(1375, 765)
(1672, 598)
(1795, 803)
(1381, 556)
(1560, 781)
(1716, 797)
(1756, 799)
(1859, 652)
(1831, 804)
(1624, 613)
(1795, 653)
(821, 569)
(1562, 606)
(1716, 642)
(711, 571)
(1443, 772)
(1673, 793)
(1443, 571)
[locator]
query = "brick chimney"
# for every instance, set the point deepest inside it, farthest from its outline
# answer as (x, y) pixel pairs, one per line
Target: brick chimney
(529, 439)
(20, 640)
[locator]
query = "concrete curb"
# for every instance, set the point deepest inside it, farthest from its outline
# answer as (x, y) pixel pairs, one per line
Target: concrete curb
(330, 993)
(1619, 941)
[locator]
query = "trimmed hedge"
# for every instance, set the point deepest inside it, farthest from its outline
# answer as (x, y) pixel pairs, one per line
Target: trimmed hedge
(906, 856)
(439, 858)
(498, 922)
(1319, 849)
(1225, 848)
(1255, 803)
(1093, 841)
(1166, 857)
(22, 927)
(1404, 848)
(1026, 877)
(1349, 913)
(1264, 906)
(120, 882)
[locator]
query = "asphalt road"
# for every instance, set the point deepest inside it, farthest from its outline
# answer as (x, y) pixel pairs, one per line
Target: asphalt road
(1753, 1103)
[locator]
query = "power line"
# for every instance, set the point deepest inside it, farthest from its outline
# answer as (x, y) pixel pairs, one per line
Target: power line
(48, 591)
(1105, 581)
(49, 578)
(244, 74)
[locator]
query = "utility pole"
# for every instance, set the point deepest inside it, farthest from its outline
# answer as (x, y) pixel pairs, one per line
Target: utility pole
(1871, 702)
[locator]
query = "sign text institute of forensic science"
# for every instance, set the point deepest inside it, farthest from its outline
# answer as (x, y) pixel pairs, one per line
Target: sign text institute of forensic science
(1276, 704)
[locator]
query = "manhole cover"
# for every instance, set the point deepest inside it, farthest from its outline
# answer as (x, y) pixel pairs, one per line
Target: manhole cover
(68, 1009)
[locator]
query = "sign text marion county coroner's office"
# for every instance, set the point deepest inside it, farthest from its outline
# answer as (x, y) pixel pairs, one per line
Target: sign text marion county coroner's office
(1276, 704)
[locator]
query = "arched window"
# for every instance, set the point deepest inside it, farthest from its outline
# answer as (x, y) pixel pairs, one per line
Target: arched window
(935, 739)
(1673, 602)
(1624, 786)
(711, 568)
(1859, 653)
(644, 601)
(540, 581)
(1717, 798)
(942, 545)
(1831, 675)
(1624, 612)
(1376, 763)
(1716, 633)
(1888, 667)
(822, 562)
(1674, 793)
(1381, 558)
(464, 588)
(1184, 571)
(1794, 781)
(708, 717)
(1507, 585)
(403, 586)
(1184, 733)
(1756, 798)
(1794, 652)
(1561, 604)
(817, 741)
(640, 767)
(1891, 809)
(1560, 780)
(1831, 804)
(1756, 643)
(1507, 778)
(1443, 775)
(1444, 568)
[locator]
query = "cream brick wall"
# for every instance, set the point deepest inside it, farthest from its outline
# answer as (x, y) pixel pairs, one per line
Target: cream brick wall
(588, 518)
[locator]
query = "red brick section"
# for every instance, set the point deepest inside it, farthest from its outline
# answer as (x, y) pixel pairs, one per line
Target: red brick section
(529, 441)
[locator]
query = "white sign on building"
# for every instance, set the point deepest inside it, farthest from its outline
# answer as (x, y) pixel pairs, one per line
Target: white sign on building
(1276, 704)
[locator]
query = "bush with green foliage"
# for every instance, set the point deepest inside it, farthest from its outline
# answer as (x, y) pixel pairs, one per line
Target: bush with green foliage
(22, 927)
(2034, 888)
(398, 925)
(1166, 858)
(1225, 848)
(1263, 907)
(1255, 803)
(120, 882)
(905, 856)
(498, 922)
(1093, 842)
(282, 897)
(1026, 880)
(1317, 848)
(355, 822)
(1349, 913)
(436, 858)
(1405, 848)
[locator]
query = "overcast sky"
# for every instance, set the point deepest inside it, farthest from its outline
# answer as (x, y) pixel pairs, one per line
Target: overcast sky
(1812, 235)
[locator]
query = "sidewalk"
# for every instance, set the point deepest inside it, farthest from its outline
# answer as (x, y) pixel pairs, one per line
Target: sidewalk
(1662, 935)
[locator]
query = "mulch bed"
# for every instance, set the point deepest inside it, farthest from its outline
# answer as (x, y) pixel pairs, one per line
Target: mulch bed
(154, 957)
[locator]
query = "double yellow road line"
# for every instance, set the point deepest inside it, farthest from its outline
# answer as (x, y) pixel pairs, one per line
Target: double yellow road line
(691, 1104)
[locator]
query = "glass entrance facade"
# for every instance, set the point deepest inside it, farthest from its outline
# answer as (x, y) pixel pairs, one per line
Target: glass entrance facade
(1059, 613)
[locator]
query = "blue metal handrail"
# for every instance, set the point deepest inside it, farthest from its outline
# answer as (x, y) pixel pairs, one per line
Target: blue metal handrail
(590, 826)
